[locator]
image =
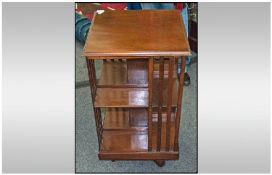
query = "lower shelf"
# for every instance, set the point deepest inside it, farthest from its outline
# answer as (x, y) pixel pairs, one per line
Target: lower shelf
(124, 141)
(125, 134)
(120, 145)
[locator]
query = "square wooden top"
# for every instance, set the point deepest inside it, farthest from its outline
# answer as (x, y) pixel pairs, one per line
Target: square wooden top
(135, 33)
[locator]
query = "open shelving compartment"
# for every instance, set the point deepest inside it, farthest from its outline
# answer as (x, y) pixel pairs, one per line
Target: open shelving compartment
(134, 109)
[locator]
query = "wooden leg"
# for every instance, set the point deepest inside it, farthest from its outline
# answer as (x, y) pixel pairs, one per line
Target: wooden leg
(160, 163)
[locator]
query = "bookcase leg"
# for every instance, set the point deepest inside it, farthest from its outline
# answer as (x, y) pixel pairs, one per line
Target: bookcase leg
(160, 163)
(97, 111)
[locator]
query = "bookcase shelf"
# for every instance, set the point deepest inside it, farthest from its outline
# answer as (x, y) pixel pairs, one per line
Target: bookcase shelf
(120, 73)
(119, 136)
(121, 97)
(134, 97)
(138, 97)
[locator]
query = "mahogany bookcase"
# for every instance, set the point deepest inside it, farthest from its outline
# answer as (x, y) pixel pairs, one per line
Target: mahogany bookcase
(138, 97)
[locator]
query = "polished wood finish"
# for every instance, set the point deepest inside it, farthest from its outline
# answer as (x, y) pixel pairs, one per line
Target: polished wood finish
(136, 97)
(120, 73)
(119, 136)
(113, 74)
(162, 134)
(135, 119)
(138, 89)
(124, 141)
(121, 97)
(125, 119)
(166, 69)
(137, 71)
(139, 155)
(97, 112)
(160, 102)
(169, 103)
(150, 98)
(130, 73)
(137, 33)
(164, 93)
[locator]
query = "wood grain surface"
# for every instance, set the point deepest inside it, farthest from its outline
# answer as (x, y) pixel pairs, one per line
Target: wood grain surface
(137, 33)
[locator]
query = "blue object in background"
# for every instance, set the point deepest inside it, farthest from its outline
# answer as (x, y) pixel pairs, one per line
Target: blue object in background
(157, 5)
(184, 14)
(82, 27)
(134, 6)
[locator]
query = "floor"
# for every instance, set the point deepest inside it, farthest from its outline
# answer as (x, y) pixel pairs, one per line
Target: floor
(86, 141)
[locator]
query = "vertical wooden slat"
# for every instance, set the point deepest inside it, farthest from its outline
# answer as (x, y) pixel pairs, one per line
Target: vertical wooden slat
(150, 90)
(160, 102)
(92, 80)
(97, 112)
(169, 102)
(179, 107)
(127, 75)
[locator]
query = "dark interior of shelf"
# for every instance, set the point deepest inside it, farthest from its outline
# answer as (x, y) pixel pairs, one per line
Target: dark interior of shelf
(124, 73)
(129, 73)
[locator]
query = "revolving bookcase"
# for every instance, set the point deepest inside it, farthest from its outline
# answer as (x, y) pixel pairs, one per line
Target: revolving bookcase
(137, 98)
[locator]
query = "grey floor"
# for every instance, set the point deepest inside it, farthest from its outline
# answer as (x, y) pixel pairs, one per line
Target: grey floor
(86, 141)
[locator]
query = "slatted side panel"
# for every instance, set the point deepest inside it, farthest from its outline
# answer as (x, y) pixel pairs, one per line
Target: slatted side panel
(166, 125)
(179, 105)
(114, 60)
(97, 111)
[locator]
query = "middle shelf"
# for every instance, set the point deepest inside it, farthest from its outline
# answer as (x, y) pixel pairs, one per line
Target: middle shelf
(134, 97)
(121, 97)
